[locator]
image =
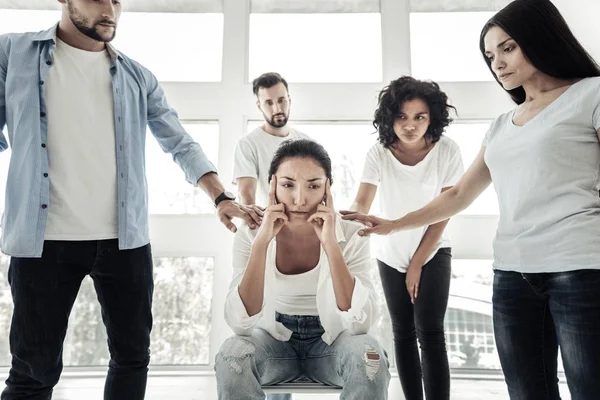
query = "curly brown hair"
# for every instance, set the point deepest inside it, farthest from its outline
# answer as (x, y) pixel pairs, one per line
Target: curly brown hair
(404, 89)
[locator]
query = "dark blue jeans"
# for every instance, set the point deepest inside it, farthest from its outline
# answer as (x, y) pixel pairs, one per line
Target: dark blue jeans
(534, 315)
(44, 290)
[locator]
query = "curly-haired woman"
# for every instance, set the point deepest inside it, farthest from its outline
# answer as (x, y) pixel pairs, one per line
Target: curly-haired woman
(413, 163)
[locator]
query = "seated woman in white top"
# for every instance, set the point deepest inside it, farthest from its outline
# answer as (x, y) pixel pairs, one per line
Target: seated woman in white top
(301, 301)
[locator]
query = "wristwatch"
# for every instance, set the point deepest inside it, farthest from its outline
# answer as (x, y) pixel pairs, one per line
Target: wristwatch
(224, 196)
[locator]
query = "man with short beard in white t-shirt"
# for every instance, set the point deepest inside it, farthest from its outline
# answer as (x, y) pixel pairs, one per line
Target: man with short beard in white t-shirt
(254, 151)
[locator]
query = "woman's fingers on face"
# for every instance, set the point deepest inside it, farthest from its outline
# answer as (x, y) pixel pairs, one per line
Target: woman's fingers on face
(272, 187)
(278, 215)
(328, 196)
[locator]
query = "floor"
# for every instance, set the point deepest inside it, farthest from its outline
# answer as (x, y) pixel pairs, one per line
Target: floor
(202, 386)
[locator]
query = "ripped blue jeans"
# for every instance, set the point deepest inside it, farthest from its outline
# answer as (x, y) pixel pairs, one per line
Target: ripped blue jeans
(358, 364)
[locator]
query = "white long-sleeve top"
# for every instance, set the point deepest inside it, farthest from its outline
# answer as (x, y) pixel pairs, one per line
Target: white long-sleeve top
(357, 320)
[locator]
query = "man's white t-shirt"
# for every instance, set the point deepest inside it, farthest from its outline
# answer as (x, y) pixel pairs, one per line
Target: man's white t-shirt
(404, 188)
(547, 177)
(253, 155)
(81, 146)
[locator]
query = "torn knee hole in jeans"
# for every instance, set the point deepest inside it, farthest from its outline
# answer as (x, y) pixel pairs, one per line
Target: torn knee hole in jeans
(372, 362)
(237, 353)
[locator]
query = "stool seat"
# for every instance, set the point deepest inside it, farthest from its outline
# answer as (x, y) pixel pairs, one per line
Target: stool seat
(302, 387)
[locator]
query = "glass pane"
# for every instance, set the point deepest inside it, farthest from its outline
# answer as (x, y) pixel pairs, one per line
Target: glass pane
(314, 6)
(469, 333)
(176, 47)
(168, 191)
(469, 137)
(332, 50)
(174, 6)
(129, 5)
(27, 20)
(181, 311)
(457, 5)
(186, 48)
(441, 52)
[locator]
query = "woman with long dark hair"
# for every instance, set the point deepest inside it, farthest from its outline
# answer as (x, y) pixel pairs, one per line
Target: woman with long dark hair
(544, 160)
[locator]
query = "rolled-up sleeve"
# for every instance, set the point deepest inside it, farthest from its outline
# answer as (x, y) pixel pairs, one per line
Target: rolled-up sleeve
(236, 315)
(363, 311)
(167, 129)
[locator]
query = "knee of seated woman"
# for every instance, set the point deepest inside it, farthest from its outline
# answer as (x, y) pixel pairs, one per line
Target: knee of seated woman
(234, 352)
(366, 349)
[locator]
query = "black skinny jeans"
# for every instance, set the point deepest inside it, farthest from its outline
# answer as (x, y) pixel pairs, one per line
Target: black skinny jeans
(423, 321)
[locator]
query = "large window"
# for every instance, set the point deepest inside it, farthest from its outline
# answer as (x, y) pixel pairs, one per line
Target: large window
(445, 46)
(316, 42)
(444, 39)
(168, 191)
(182, 47)
(181, 310)
(176, 47)
(469, 330)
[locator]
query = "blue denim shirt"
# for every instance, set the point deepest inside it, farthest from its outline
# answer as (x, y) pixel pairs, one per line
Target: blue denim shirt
(25, 60)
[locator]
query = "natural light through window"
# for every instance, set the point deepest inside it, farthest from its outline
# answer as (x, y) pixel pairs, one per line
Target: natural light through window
(444, 47)
(169, 192)
(317, 47)
(469, 137)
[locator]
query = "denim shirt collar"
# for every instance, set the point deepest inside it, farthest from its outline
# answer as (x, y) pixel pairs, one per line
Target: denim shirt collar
(50, 35)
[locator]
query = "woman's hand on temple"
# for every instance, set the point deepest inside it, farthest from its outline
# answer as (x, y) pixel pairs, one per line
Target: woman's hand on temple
(274, 217)
(323, 221)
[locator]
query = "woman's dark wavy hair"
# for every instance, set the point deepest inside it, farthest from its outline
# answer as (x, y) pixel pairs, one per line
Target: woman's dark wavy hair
(301, 148)
(544, 38)
(404, 89)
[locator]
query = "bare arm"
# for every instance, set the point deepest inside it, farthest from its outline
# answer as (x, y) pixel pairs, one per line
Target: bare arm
(211, 185)
(343, 281)
(364, 198)
(247, 190)
(252, 286)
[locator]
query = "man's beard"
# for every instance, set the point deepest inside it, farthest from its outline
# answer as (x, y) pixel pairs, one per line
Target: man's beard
(81, 24)
(277, 124)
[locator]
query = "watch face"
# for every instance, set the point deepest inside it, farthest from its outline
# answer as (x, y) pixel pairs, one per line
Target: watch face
(229, 195)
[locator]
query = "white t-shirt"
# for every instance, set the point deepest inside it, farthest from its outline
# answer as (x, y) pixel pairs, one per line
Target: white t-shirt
(546, 176)
(297, 294)
(81, 146)
(253, 155)
(405, 188)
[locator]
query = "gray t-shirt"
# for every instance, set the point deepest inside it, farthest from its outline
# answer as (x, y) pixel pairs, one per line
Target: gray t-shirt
(546, 176)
